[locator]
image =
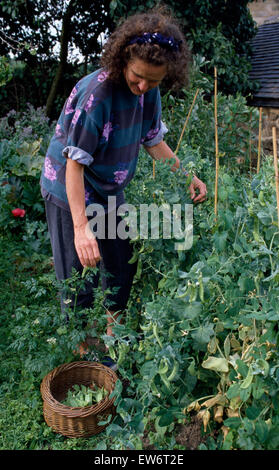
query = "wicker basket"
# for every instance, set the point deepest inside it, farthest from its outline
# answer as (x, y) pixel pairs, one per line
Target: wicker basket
(78, 421)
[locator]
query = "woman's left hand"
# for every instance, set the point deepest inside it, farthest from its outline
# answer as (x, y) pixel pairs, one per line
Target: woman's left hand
(197, 184)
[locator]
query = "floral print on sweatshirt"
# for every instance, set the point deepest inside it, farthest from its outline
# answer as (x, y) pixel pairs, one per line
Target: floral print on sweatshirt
(69, 108)
(89, 103)
(49, 171)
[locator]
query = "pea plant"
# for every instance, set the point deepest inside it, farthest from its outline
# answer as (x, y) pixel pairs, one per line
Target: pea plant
(207, 332)
(199, 338)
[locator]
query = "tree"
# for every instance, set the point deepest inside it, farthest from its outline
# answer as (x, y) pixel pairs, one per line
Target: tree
(68, 33)
(83, 22)
(48, 25)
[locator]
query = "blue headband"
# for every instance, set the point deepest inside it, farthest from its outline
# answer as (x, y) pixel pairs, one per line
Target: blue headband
(156, 38)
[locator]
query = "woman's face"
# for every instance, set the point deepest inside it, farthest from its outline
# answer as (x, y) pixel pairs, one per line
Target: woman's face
(142, 77)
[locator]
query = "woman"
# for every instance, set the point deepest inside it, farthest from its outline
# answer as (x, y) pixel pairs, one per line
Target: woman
(94, 151)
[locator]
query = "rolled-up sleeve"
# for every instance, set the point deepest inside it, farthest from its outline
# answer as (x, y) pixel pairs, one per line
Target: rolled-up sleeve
(154, 131)
(75, 153)
(156, 136)
(82, 138)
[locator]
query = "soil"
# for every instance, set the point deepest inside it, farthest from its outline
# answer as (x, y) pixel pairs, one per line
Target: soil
(189, 435)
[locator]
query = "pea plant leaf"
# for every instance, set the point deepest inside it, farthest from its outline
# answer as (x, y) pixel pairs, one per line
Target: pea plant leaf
(202, 335)
(218, 364)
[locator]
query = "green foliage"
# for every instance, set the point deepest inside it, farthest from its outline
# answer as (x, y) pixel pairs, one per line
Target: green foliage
(5, 71)
(11, 6)
(232, 66)
(38, 27)
(24, 138)
(237, 124)
(200, 334)
(81, 396)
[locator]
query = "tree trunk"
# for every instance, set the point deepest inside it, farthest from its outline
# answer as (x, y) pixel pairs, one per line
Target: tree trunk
(64, 42)
(85, 64)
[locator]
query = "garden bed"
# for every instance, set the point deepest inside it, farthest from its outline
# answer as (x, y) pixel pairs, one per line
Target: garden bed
(198, 348)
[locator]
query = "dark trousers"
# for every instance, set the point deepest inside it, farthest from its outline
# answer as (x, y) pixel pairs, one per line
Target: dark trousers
(115, 253)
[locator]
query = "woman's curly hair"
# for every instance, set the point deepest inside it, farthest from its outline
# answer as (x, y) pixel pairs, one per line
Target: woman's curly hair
(118, 52)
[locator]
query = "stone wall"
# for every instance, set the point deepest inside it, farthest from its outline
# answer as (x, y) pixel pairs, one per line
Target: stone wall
(263, 10)
(270, 119)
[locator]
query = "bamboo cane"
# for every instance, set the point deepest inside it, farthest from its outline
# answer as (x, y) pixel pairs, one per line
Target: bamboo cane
(186, 121)
(276, 169)
(154, 175)
(250, 144)
(183, 130)
(216, 140)
(260, 140)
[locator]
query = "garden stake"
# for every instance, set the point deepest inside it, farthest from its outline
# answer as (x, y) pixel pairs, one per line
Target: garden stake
(154, 175)
(259, 141)
(186, 121)
(276, 169)
(183, 130)
(250, 144)
(216, 139)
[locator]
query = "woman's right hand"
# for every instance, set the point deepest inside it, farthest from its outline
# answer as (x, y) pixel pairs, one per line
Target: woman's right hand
(86, 246)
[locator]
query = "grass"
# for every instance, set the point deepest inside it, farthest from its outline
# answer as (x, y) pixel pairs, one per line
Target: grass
(30, 315)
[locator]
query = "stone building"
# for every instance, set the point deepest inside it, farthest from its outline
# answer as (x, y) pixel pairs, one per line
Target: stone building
(265, 67)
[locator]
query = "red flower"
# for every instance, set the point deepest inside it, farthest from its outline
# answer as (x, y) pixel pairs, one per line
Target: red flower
(18, 212)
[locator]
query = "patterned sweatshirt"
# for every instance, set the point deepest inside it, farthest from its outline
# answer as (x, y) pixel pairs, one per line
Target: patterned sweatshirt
(102, 126)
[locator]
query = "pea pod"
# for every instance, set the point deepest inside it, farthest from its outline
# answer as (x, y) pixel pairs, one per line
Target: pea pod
(181, 296)
(193, 293)
(139, 269)
(264, 365)
(248, 380)
(256, 230)
(201, 288)
(166, 381)
(134, 258)
(123, 349)
(256, 236)
(112, 353)
(163, 367)
(155, 332)
(173, 372)
(146, 328)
